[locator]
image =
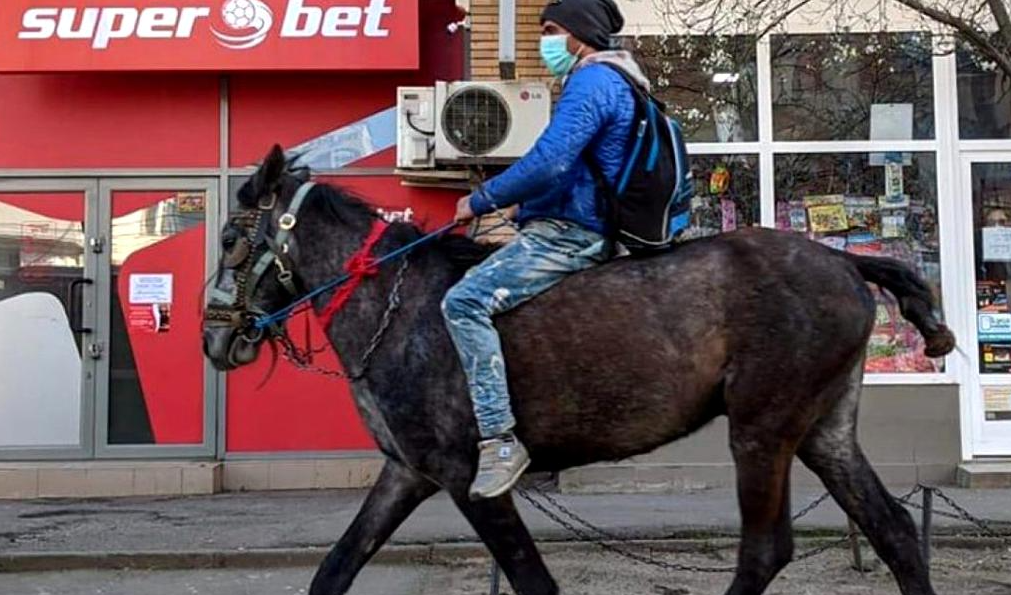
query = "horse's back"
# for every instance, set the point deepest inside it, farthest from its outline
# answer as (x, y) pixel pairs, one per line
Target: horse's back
(630, 355)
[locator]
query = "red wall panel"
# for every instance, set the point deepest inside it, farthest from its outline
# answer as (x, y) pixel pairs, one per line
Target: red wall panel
(432, 208)
(170, 365)
(292, 108)
(81, 121)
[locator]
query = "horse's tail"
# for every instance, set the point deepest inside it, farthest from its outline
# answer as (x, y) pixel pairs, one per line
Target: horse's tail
(916, 301)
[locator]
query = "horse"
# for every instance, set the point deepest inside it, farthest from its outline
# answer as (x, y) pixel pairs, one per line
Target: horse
(765, 327)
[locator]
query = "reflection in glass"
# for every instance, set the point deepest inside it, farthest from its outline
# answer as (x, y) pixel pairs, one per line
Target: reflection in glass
(708, 83)
(726, 194)
(876, 205)
(991, 215)
(42, 253)
(984, 98)
(829, 86)
(156, 368)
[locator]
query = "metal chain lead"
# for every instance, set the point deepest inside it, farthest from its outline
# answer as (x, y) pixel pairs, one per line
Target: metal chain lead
(587, 534)
(964, 514)
(301, 359)
(622, 552)
(393, 305)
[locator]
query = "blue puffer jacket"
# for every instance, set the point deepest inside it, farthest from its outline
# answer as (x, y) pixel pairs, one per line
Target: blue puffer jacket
(553, 180)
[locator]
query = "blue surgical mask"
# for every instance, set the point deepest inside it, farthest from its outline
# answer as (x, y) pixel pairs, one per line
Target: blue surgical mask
(555, 53)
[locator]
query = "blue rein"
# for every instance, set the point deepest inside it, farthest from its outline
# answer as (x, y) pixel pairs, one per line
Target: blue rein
(282, 315)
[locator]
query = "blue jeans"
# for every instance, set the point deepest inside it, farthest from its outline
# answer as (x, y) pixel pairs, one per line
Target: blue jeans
(541, 256)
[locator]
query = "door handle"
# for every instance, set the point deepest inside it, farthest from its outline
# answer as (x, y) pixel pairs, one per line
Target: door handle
(71, 293)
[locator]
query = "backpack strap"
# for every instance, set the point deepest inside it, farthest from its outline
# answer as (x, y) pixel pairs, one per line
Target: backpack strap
(637, 88)
(641, 97)
(605, 193)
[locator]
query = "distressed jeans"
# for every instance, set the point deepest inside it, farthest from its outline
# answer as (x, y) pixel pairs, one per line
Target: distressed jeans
(541, 256)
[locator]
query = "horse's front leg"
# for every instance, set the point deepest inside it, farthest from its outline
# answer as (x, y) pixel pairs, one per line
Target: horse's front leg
(396, 494)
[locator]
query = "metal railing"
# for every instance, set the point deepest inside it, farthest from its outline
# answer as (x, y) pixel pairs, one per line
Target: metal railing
(585, 531)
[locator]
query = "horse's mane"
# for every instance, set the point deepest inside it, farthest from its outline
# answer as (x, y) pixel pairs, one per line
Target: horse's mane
(344, 206)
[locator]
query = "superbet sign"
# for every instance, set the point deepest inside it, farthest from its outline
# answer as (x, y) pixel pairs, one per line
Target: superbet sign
(217, 35)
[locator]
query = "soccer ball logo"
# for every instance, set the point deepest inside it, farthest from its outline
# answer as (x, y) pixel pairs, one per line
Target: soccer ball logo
(242, 15)
(239, 14)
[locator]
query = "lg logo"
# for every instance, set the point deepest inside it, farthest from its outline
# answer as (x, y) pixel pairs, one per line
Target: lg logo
(251, 20)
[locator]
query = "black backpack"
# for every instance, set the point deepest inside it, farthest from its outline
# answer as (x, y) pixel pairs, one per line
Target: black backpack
(649, 205)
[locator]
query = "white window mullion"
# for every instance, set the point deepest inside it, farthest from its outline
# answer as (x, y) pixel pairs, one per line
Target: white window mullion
(746, 148)
(855, 146)
(766, 169)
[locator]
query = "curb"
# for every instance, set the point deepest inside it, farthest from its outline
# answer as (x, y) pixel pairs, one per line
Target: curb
(442, 553)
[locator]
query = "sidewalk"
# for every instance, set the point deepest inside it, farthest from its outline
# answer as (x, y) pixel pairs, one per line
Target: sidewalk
(227, 526)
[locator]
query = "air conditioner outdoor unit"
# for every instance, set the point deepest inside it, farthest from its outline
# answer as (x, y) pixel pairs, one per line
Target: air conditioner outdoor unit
(469, 122)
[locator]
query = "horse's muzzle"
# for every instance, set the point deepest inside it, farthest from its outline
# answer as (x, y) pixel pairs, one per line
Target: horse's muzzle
(227, 348)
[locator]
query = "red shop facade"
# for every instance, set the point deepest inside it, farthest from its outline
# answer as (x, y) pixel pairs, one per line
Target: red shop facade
(124, 131)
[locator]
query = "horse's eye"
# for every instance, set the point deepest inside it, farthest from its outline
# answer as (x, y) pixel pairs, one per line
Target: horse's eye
(229, 239)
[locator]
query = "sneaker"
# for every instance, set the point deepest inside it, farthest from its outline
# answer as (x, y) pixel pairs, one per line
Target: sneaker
(503, 461)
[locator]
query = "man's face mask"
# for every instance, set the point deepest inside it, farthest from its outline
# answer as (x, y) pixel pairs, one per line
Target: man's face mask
(555, 53)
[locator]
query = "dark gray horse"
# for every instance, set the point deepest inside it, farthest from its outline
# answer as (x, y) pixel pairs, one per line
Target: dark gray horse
(764, 327)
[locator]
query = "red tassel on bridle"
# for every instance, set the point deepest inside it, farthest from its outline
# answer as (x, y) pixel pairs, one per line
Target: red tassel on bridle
(361, 265)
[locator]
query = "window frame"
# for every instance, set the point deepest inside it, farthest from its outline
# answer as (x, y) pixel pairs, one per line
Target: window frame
(945, 146)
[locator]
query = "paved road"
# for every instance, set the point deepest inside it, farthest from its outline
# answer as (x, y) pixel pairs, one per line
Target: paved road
(956, 572)
(230, 522)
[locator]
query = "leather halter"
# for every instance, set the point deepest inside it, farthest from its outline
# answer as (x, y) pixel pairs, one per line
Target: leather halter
(235, 308)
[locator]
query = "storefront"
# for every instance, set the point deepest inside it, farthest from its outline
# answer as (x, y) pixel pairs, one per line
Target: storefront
(122, 135)
(889, 143)
(123, 131)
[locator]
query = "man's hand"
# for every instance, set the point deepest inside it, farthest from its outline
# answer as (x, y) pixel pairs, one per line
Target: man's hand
(463, 212)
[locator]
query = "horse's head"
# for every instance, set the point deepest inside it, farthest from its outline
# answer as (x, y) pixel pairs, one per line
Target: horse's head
(256, 273)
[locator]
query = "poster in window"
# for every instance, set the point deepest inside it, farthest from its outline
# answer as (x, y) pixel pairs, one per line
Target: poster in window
(997, 244)
(191, 202)
(862, 212)
(997, 403)
(149, 318)
(894, 188)
(994, 327)
(797, 217)
(991, 297)
(151, 289)
(898, 201)
(828, 218)
(893, 224)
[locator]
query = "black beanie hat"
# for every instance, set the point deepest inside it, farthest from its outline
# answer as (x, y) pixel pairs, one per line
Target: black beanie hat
(591, 21)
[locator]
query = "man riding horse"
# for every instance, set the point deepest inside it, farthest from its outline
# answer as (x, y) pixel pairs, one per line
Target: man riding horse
(765, 328)
(563, 230)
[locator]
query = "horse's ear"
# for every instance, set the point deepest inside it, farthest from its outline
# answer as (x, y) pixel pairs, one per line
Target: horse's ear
(274, 165)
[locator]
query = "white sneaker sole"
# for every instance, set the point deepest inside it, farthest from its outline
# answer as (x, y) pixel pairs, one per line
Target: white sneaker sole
(505, 488)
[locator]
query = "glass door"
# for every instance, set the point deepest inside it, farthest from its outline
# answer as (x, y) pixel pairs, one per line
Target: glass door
(986, 203)
(49, 345)
(156, 394)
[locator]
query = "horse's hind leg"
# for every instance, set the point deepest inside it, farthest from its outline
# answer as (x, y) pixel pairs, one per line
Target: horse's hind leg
(397, 492)
(763, 461)
(501, 529)
(832, 452)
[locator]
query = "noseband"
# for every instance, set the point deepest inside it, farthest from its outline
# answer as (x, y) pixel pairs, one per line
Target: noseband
(235, 309)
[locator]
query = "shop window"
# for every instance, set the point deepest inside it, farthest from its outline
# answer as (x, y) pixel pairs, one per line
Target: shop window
(879, 204)
(984, 98)
(726, 194)
(876, 86)
(708, 83)
(991, 211)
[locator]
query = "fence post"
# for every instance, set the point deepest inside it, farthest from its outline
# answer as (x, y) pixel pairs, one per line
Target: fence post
(858, 558)
(496, 576)
(925, 525)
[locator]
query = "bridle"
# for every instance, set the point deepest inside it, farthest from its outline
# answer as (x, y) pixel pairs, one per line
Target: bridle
(254, 255)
